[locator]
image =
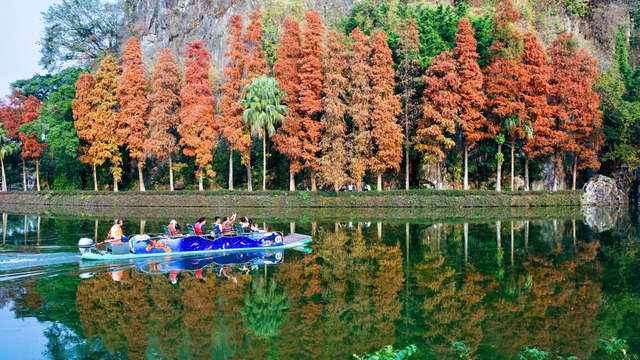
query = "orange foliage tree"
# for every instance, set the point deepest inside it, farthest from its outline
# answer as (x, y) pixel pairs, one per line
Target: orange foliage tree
(164, 102)
(311, 90)
(96, 118)
(441, 106)
(334, 143)
(288, 139)
(503, 85)
(132, 96)
(472, 98)
(359, 106)
(29, 136)
(255, 66)
(575, 103)
(386, 133)
(535, 88)
(235, 133)
(198, 127)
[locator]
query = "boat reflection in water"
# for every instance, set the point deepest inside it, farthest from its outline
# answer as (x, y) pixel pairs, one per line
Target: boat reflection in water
(219, 264)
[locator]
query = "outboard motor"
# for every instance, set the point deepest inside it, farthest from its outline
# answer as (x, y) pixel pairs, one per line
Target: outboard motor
(84, 244)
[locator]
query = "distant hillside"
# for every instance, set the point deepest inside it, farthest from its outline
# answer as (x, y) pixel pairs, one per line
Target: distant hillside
(173, 23)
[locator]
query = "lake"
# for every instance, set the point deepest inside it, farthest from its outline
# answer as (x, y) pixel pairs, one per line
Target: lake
(557, 279)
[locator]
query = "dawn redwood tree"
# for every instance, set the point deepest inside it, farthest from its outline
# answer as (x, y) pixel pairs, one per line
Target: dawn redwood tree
(29, 133)
(441, 107)
(235, 133)
(96, 119)
(198, 127)
(289, 138)
(472, 123)
(503, 84)
(386, 133)
(10, 121)
(256, 65)
(132, 96)
(359, 106)
(7, 147)
(334, 143)
(408, 75)
(310, 91)
(263, 111)
(83, 108)
(535, 88)
(575, 104)
(164, 103)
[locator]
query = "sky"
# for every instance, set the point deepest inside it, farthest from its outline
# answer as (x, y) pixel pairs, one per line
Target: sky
(21, 26)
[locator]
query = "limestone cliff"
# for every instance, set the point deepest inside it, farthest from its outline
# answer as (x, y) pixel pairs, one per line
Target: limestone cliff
(173, 23)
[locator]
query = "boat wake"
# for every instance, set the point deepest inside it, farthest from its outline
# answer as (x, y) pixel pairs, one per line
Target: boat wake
(12, 262)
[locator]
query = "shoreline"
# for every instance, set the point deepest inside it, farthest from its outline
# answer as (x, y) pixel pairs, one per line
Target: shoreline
(300, 199)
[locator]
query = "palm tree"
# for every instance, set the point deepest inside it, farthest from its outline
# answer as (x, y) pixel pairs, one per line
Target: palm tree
(262, 112)
(6, 147)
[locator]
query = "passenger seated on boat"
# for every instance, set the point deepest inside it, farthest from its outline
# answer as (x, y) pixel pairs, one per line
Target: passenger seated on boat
(174, 228)
(227, 224)
(217, 226)
(252, 226)
(244, 223)
(201, 226)
(115, 234)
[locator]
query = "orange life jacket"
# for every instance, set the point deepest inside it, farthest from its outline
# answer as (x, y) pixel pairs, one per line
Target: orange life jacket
(173, 231)
(115, 233)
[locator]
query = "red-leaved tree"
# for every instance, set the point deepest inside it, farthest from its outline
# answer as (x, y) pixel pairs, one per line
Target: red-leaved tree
(311, 90)
(535, 88)
(472, 124)
(198, 127)
(386, 133)
(575, 104)
(29, 136)
(164, 102)
(235, 133)
(132, 96)
(289, 138)
(441, 110)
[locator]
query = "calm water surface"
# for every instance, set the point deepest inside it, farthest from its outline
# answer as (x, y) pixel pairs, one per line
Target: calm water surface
(559, 284)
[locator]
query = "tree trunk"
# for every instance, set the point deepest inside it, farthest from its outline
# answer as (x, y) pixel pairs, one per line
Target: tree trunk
(512, 244)
(526, 235)
(526, 174)
(264, 161)
(171, 174)
(379, 182)
(406, 147)
(440, 175)
(466, 166)
(512, 166)
(555, 176)
(336, 186)
(115, 185)
(141, 178)
(200, 187)
(24, 176)
(95, 179)
(575, 172)
(38, 174)
(499, 235)
(4, 177)
(230, 169)
(292, 181)
(499, 171)
(249, 185)
(313, 180)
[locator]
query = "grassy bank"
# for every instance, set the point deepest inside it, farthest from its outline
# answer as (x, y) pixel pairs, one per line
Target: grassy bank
(303, 199)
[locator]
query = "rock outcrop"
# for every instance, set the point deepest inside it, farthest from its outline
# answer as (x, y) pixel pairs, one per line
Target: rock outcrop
(601, 190)
(174, 23)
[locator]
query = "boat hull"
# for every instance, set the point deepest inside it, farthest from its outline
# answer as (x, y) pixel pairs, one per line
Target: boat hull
(194, 245)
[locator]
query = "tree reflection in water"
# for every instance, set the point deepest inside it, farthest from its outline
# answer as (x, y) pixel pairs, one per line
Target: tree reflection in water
(362, 288)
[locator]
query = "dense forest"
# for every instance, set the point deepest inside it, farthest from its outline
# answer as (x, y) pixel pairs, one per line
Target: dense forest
(379, 97)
